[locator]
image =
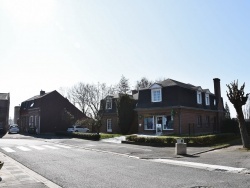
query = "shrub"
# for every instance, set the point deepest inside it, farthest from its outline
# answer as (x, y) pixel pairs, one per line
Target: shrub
(204, 140)
(171, 140)
(88, 136)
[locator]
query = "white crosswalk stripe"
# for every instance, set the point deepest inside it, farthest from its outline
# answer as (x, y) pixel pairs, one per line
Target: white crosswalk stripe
(62, 146)
(23, 148)
(51, 147)
(9, 150)
(32, 147)
(37, 147)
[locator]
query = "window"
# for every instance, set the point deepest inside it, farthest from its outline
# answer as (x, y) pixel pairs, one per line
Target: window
(109, 125)
(214, 102)
(207, 99)
(167, 123)
(207, 121)
(156, 95)
(35, 120)
(199, 121)
(199, 99)
(109, 103)
(31, 121)
(149, 123)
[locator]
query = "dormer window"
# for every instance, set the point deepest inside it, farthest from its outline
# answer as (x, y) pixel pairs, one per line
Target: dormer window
(199, 99)
(156, 95)
(108, 103)
(207, 99)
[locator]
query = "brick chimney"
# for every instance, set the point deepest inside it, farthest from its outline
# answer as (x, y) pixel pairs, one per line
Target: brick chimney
(42, 92)
(217, 88)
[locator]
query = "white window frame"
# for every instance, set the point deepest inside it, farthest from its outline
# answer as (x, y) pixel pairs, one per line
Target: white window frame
(31, 121)
(207, 99)
(199, 97)
(35, 120)
(109, 125)
(153, 98)
(145, 126)
(164, 119)
(108, 103)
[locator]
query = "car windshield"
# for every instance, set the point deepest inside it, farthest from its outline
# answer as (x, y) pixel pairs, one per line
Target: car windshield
(14, 125)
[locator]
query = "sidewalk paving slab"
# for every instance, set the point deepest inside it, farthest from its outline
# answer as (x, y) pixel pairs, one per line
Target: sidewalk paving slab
(13, 174)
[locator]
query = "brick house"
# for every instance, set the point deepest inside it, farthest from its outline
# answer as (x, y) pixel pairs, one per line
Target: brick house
(47, 113)
(4, 111)
(110, 116)
(173, 107)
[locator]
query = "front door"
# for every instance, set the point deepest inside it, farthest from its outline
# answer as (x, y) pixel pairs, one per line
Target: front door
(159, 125)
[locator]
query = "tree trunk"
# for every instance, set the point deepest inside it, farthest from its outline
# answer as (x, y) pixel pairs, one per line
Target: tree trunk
(243, 129)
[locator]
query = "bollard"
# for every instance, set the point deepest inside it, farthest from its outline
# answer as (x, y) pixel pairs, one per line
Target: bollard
(180, 147)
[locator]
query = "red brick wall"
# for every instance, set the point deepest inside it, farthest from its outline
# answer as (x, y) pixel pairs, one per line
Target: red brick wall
(114, 123)
(185, 121)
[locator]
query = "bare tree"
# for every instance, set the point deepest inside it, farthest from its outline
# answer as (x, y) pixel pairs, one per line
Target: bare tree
(143, 83)
(95, 94)
(160, 79)
(237, 98)
(78, 95)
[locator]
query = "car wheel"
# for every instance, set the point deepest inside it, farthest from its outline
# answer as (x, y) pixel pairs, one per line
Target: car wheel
(76, 131)
(87, 131)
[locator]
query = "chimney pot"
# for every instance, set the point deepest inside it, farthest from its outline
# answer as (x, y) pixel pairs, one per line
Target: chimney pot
(42, 92)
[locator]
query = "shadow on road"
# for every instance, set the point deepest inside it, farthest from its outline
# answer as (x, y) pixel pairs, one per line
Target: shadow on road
(189, 156)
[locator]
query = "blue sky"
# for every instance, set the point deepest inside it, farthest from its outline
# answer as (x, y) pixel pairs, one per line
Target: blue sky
(48, 44)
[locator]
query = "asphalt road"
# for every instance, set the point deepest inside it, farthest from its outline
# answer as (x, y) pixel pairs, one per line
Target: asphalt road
(74, 166)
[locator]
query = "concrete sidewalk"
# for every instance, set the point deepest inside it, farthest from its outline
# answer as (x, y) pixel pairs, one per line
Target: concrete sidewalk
(13, 175)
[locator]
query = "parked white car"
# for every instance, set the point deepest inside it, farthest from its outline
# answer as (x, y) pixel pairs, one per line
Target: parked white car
(77, 128)
(13, 128)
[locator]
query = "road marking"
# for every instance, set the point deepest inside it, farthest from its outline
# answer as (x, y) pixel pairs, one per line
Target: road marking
(201, 165)
(23, 148)
(51, 147)
(134, 148)
(9, 150)
(62, 146)
(89, 145)
(37, 147)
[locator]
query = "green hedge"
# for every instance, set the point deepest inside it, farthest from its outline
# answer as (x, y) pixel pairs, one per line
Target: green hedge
(88, 136)
(204, 140)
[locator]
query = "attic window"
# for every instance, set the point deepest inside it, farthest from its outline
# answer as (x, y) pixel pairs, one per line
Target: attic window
(109, 103)
(32, 104)
(207, 99)
(156, 95)
(199, 99)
